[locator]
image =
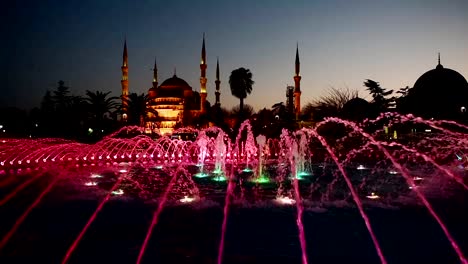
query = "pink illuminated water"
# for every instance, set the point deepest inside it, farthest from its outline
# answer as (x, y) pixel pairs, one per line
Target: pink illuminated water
(23, 217)
(91, 220)
(411, 183)
(227, 200)
(155, 218)
(355, 196)
(294, 153)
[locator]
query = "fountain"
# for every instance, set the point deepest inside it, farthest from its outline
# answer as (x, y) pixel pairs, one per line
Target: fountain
(299, 171)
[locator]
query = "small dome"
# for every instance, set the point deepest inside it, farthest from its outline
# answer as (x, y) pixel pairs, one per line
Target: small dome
(152, 92)
(175, 82)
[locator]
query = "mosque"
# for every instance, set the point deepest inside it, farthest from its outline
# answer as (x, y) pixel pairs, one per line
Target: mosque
(440, 93)
(174, 103)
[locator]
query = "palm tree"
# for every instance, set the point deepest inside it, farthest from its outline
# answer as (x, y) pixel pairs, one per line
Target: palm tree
(139, 109)
(99, 104)
(241, 83)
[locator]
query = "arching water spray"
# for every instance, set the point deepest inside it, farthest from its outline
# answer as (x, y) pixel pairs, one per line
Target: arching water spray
(156, 214)
(353, 193)
(411, 183)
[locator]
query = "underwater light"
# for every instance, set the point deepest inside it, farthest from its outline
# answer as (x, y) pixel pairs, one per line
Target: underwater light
(219, 178)
(118, 192)
(373, 196)
(247, 170)
(262, 179)
(285, 200)
(393, 172)
(90, 184)
(123, 171)
(361, 167)
(94, 176)
(201, 175)
(187, 199)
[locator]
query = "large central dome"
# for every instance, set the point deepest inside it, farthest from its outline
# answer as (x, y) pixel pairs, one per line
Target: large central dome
(175, 82)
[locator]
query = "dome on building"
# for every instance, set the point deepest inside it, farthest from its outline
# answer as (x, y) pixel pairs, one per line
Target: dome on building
(175, 82)
(438, 93)
(357, 109)
(442, 79)
(152, 92)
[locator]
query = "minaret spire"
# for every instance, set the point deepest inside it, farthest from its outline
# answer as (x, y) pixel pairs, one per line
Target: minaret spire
(203, 79)
(155, 74)
(297, 85)
(124, 82)
(439, 66)
(125, 55)
(297, 60)
(203, 52)
(217, 82)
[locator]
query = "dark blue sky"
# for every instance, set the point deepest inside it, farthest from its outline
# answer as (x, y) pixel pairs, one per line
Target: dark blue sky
(341, 43)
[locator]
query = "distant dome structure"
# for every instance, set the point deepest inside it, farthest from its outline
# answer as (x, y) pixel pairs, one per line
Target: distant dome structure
(357, 109)
(439, 93)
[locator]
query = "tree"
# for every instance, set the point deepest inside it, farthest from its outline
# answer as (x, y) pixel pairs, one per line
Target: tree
(328, 105)
(241, 83)
(100, 107)
(380, 96)
(139, 109)
(246, 112)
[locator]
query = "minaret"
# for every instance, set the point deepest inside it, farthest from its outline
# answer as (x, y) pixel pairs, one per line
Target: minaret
(217, 82)
(203, 80)
(124, 82)
(297, 86)
(155, 75)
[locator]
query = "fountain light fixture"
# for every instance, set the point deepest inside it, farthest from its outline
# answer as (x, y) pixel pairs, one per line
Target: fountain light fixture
(361, 167)
(285, 200)
(373, 196)
(262, 179)
(123, 171)
(90, 184)
(201, 175)
(118, 192)
(95, 176)
(417, 178)
(393, 172)
(187, 199)
(219, 178)
(247, 169)
(303, 173)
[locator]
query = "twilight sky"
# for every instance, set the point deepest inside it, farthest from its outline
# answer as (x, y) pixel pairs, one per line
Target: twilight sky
(341, 43)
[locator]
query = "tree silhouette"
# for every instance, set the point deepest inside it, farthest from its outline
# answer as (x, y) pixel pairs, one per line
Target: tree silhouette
(241, 83)
(328, 105)
(100, 107)
(139, 109)
(379, 95)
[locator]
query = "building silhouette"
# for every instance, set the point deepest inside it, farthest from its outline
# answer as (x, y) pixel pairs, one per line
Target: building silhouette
(440, 93)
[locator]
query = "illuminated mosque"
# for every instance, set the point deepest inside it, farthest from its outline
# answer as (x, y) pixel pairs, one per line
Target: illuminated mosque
(174, 103)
